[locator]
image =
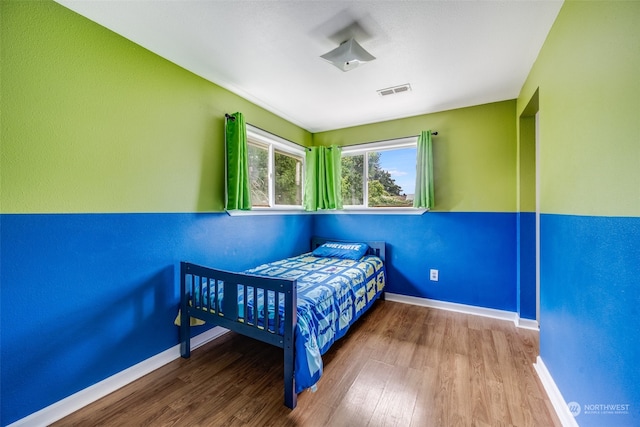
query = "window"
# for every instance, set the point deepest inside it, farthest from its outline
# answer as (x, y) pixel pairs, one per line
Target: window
(259, 173)
(288, 179)
(390, 171)
(275, 170)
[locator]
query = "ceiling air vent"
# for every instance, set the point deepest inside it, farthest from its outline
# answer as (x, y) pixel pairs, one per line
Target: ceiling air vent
(394, 90)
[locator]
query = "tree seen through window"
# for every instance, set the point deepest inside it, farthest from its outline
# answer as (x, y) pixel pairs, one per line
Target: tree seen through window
(390, 181)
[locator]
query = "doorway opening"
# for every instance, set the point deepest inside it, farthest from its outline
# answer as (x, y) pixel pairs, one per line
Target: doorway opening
(528, 280)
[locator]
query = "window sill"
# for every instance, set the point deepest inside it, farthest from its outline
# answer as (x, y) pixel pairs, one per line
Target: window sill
(346, 211)
(268, 211)
(376, 211)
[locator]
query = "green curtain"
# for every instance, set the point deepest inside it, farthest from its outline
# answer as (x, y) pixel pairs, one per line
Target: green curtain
(323, 178)
(424, 173)
(238, 185)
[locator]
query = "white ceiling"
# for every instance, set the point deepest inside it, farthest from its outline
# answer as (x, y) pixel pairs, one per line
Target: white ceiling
(453, 53)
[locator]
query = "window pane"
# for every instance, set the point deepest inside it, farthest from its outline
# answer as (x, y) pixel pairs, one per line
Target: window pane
(392, 175)
(288, 179)
(353, 180)
(259, 174)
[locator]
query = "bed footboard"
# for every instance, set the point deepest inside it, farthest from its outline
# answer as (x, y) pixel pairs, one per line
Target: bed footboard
(246, 304)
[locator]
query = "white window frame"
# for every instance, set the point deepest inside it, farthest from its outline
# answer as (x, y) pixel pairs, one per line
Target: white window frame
(364, 149)
(275, 143)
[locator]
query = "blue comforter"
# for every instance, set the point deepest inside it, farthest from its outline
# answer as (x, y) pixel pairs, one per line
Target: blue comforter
(332, 294)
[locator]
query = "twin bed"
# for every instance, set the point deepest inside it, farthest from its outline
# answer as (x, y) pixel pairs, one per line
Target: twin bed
(301, 304)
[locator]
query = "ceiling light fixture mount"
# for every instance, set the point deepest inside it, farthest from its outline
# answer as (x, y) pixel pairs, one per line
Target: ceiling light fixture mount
(348, 55)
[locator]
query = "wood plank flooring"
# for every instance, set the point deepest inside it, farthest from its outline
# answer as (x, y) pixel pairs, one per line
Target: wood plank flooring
(400, 365)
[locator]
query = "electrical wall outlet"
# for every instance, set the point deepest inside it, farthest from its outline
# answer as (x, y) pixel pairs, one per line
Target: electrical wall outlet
(433, 275)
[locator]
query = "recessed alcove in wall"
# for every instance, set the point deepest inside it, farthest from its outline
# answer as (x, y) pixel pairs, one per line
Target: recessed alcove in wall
(528, 213)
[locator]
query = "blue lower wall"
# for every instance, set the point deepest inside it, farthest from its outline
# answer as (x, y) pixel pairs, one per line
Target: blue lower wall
(590, 314)
(85, 296)
(526, 265)
(475, 253)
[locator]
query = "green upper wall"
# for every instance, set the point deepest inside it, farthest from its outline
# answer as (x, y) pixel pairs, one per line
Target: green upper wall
(588, 80)
(526, 179)
(92, 122)
(474, 153)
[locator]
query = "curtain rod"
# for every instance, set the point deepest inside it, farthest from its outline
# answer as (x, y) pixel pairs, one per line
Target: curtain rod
(433, 133)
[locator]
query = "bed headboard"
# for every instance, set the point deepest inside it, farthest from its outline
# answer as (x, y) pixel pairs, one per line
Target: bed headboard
(375, 248)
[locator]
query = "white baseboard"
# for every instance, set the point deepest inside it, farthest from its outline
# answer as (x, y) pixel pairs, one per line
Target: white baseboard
(68, 405)
(466, 309)
(527, 324)
(558, 402)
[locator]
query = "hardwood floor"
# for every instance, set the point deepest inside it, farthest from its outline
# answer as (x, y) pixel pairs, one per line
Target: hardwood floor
(400, 365)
